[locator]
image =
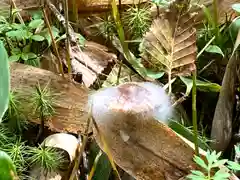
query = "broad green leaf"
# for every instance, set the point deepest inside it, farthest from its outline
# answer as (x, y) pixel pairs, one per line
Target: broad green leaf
(234, 28)
(200, 162)
(37, 37)
(17, 26)
(45, 33)
(4, 81)
(214, 49)
(34, 24)
(233, 165)
(19, 34)
(26, 48)
(37, 14)
(31, 55)
(7, 168)
(14, 57)
(16, 51)
(201, 85)
(236, 7)
(24, 56)
(154, 75)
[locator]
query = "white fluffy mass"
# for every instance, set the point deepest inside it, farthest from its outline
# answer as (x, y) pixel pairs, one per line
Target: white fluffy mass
(144, 99)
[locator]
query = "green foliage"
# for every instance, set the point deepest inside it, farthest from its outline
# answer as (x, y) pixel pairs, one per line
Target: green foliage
(214, 49)
(14, 116)
(188, 134)
(137, 20)
(46, 157)
(26, 41)
(4, 80)
(214, 169)
(42, 101)
(7, 168)
(201, 85)
(17, 150)
(236, 7)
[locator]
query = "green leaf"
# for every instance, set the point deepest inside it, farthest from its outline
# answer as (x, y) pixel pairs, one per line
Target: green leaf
(81, 39)
(186, 133)
(34, 24)
(31, 55)
(26, 48)
(195, 177)
(37, 37)
(200, 162)
(221, 175)
(16, 51)
(24, 56)
(214, 49)
(17, 26)
(4, 82)
(233, 28)
(236, 7)
(201, 85)
(45, 33)
(198, 173)
(14, 57)
(154, 75)
(19, 34)
(233, 165)
(219, 163)
(7, 168)
(37, 14)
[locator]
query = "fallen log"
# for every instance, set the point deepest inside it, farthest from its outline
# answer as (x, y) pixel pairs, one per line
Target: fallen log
(70, 99)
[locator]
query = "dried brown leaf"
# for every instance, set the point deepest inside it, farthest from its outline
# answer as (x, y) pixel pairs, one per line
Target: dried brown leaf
(170, 45)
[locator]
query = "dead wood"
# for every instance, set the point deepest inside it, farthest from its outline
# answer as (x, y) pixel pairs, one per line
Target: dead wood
(70, 99)
(221, 132)
(141, 145)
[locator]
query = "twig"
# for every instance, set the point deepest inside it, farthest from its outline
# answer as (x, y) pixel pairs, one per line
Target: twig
(80, 149)
(18, 14)
(68, 46)
(62, 20)
(53, 41)
(194, 111)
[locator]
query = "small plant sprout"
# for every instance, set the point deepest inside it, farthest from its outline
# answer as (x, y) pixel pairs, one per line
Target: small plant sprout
(42, 102)
(47, 157)
(137, 19)
(15, 117)
(17, 151)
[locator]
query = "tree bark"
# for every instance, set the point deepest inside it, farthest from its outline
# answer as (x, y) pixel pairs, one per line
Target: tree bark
(70, 100)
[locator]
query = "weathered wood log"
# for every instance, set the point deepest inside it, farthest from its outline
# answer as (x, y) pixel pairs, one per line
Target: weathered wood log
(70, 99)
(143, 146)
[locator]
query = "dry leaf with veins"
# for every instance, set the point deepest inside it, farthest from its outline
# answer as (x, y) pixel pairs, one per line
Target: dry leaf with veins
(170, 45)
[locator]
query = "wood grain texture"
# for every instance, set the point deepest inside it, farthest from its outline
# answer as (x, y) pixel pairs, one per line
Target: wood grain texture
(70, 100)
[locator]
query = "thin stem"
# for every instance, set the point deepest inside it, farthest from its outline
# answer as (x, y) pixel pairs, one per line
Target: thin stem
(194, 111)
(68, 40)
(53, 41)
(170, 83)
(106, 149)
